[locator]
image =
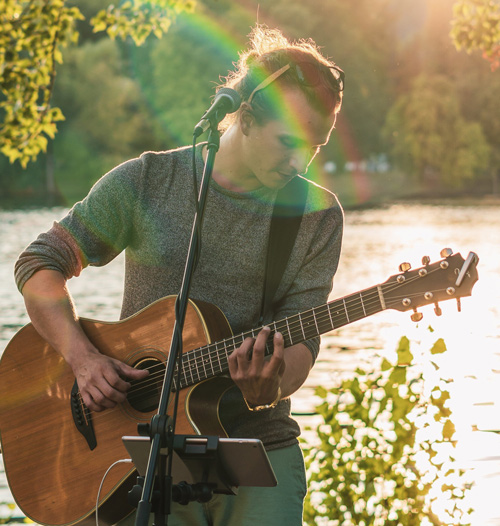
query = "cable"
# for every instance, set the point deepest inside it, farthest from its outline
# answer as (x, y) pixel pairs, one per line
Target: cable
(121, 461)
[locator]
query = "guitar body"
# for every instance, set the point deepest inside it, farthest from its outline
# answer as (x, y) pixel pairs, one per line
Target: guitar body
(54, 471)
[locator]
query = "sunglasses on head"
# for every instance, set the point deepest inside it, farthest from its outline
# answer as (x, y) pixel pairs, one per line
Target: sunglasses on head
(308, 75)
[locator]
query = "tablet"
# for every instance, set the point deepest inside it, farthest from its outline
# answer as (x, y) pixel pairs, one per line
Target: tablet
(225, 462)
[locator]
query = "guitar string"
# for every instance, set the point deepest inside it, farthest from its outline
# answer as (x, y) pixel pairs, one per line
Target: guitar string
(195, 373)
(366, 302)
(198, 354)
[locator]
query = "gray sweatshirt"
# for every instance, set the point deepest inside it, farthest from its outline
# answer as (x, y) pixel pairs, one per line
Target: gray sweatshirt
(145, 206)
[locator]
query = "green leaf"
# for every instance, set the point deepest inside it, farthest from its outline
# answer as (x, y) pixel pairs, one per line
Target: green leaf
(386, 365)
(448, 430)
(438, 347)
(405, 357)
(398, 375)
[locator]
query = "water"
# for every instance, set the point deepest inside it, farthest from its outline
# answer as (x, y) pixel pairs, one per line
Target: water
(375, 243)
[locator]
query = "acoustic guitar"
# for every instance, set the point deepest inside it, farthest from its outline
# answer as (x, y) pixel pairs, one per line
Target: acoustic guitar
(56, 451)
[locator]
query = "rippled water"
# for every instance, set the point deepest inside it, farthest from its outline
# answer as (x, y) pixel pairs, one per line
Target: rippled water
(375, 243)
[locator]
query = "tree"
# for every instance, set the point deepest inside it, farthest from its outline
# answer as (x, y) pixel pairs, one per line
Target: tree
(431, 139)
(476, 26)
(32, 36)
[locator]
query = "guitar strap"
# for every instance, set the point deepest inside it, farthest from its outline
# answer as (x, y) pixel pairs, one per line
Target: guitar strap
(285, 222)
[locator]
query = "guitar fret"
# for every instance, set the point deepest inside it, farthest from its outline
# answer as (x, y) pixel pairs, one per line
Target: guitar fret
(217, 353)
(193, 369)
(323, 322)
(362, 304)
(209, 361)
(315, 321)
(289, 331)
(302, 327)
(381, 297)
(191, 373)
(330, 316)
(346, 313)
(201, 368)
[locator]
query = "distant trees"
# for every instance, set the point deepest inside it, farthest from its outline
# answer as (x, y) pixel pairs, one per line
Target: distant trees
(431, 139)
(118, 99)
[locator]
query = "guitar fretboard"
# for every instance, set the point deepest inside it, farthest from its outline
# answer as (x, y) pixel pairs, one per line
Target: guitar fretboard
(212, 360)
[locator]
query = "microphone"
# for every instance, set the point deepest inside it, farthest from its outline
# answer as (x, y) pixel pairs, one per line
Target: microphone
(226, 101)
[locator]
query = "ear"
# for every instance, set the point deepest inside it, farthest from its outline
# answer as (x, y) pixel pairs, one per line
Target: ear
(246, 119)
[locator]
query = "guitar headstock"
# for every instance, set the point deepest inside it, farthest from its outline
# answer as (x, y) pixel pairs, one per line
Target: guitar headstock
(449, 278)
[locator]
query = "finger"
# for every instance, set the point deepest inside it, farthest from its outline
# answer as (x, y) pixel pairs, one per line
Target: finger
(108, 395)
(115, 382)
(120, 372)
(279, 353)
(96, 401)
(244, 352)
(259, 347)
(274, 365)
(134, 374)
(89, 402)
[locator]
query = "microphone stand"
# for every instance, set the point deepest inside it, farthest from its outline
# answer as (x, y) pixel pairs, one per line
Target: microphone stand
(162, 428)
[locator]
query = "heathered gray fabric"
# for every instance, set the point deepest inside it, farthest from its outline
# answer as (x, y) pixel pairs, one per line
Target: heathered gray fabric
(145, 206)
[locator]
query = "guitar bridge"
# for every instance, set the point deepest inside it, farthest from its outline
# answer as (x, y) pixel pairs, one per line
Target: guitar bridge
(82, 417)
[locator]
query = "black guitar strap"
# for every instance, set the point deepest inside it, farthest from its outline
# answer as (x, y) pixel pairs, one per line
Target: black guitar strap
(285, 222)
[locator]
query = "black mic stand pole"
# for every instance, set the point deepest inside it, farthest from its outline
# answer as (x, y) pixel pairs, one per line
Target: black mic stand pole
(162, 428)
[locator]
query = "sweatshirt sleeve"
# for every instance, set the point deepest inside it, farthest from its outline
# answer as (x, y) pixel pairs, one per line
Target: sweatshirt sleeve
(93, 232)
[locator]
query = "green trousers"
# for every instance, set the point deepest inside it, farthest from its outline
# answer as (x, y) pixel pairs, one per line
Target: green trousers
(281, 505)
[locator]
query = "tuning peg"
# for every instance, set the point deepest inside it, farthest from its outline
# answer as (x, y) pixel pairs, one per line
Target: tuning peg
(426, 260)
(459, 305)
(437, 309)
(416, 316)
(404, 267)
(446, 252)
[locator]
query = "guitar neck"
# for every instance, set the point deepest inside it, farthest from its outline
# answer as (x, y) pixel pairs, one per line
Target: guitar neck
(212, 360)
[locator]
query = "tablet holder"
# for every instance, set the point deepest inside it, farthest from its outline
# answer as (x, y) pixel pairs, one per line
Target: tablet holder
(215, 464)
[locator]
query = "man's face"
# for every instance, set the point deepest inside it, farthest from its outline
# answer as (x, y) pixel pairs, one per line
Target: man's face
(280, 149)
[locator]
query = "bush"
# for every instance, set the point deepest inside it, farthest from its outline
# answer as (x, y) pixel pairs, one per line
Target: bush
(383, 449)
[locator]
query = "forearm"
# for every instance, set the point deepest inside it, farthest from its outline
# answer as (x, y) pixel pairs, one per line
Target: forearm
(298, 360)
(51, 310)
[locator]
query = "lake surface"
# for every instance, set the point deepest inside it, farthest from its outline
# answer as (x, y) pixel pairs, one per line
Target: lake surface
(376, 241)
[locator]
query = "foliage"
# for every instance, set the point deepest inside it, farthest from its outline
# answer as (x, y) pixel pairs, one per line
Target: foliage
(378, 458)
(140, 18)
(32, 35)
(476, 26)
(430, 138)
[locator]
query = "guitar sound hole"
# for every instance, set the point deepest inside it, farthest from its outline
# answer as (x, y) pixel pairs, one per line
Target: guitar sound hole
(144, 395)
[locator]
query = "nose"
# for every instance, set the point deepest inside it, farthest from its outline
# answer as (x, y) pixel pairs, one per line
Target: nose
(300, 160)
